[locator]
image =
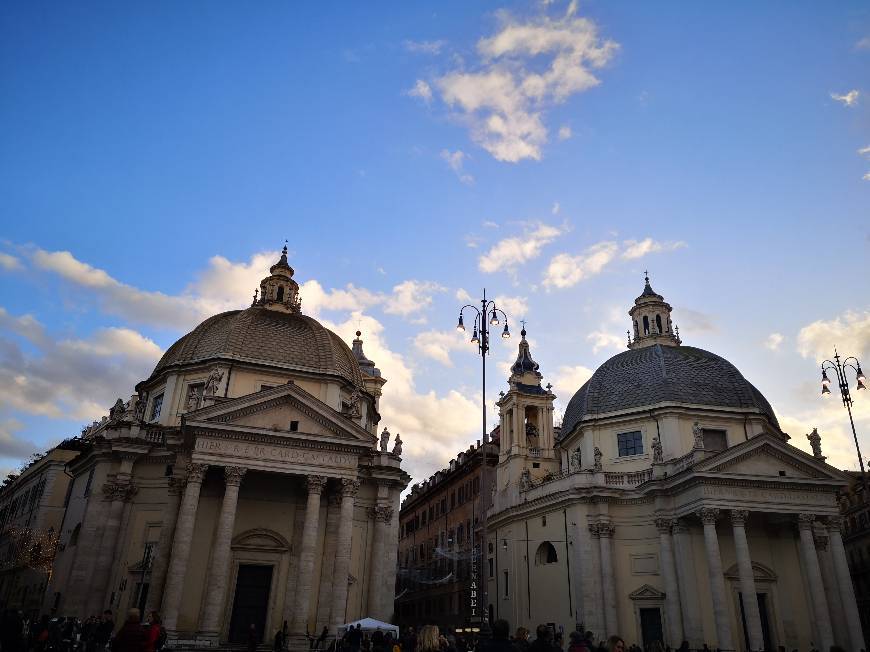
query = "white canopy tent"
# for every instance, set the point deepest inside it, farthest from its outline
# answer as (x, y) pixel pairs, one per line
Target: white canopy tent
(370, 625)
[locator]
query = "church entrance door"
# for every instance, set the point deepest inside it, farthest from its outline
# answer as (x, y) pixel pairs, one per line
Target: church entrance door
(651, 626)
(251, 602)
(765, 622)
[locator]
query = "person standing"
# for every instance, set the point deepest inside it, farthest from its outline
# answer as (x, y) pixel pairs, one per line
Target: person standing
(543, 641)
(132, 637)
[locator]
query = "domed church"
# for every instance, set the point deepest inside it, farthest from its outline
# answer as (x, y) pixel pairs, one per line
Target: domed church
(243, 485)
(668, 507)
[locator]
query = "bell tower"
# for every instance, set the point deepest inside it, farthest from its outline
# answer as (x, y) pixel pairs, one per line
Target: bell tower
(279, 291)
(651, 320)
(526, 433)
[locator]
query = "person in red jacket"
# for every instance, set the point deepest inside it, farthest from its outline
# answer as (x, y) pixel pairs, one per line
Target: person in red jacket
(154, 633)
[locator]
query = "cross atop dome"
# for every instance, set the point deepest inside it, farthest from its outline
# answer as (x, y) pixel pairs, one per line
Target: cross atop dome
(279, 291)
(651, 320)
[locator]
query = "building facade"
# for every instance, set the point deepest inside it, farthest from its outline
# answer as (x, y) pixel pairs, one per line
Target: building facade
(855, 509)
(244, 484)
(670, 507)
(438, 529)
(32, 508)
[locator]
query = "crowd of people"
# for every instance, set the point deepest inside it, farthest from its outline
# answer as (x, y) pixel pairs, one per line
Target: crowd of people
(94, 634)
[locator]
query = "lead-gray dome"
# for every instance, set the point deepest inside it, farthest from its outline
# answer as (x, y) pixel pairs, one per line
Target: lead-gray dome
(258, 335)
(663, 374)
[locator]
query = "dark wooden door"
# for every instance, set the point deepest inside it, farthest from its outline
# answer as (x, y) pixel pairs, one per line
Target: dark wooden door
(651, 626)
(250, 602)
(765, 622)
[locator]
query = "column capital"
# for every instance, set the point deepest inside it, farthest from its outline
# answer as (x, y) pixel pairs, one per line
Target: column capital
(196, 472)
(835, 523)
(739, 516)
(821, 540)
(594, 530)
(708, 515)
(664, 524)
(605, 530)
(233, 475)
(381, 514)
(805, 521)
(115, 490)
(315, 483)
(349, 487)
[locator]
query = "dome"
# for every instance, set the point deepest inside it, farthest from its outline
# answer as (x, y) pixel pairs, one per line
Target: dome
(258, 335)
(663, 374)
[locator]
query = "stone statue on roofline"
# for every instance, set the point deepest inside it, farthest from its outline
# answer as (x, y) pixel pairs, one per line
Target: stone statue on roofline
(397, 446)
(213, 382)
(385, 440)
(598, 455)
(698, 434)
(658, 453)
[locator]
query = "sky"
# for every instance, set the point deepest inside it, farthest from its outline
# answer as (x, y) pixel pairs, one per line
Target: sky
(154, 157)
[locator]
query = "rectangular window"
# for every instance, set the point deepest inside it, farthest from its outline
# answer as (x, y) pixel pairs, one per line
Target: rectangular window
(506, 592)
(715, 440)
(89, 482)
(491, 571)
(294, 426)
(156, 406)
(630, 443)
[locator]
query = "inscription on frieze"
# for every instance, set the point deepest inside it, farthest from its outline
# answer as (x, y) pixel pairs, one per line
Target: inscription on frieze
(770, 496)
(251, 450)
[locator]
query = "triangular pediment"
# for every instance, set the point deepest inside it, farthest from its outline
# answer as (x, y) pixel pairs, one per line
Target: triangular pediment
(284, 409)
(647, 592)
(769, 456)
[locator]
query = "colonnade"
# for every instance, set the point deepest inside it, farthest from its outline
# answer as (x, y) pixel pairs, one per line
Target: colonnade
(830, 590)
(299, 591)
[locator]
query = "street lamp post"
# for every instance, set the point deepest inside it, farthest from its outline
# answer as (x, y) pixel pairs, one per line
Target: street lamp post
(484, 317)
(839, 368)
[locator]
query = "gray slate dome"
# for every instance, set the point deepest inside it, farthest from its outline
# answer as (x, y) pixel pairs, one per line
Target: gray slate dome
(658, 374)
(257, 335)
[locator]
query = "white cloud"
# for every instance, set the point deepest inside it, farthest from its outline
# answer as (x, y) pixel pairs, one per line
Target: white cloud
(515, 307)
(604, 340)
(866, 176)
(637, 249)
(568, 379)
(438, 344)
(863, 44)
(462, 295)
(848, 99)
(489, 224)
(773, 341)
(456, 162)
(524, 68)
(422, 90)
(411, 298)
(508, 254)
(864, 151)
(316, 299)
(9, 262)
(849, 333)
(565, 271)
(425, 47)
(13, 446)
(565, 132)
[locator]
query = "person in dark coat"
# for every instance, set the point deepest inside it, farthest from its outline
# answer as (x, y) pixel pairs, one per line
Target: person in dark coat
(544, 640)
(11, 636)
(577, 643)
(104, 630)
(500, 641)
(132, 637)
(253, 639)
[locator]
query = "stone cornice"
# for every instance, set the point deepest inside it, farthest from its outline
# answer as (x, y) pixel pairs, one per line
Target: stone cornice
(256, 435)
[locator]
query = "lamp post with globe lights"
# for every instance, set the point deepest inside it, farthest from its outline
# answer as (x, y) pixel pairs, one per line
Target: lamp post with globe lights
(839, 369)
(484, 317)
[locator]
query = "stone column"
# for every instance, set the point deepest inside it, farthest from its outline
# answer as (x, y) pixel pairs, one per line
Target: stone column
(116, 493)
(694, 631)
(814, 576)
(832, 591)
(708, 517)
(301, 591)
(382, 516)
(672, 589)
(342, 553)
(593, 615)
(160, 559)
(218, 573)
(747, 579)
(844, 582)
(391, 548)
(608, 581)
(181, 546)
(324, 595)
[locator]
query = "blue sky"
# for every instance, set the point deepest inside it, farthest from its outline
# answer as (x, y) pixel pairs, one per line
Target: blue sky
(154, 157)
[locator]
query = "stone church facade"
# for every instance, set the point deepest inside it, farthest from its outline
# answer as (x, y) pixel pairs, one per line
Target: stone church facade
(670, 506)
(243, 484)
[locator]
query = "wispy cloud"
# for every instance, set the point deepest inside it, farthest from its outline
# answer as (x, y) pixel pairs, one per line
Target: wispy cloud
(848, 332)
(525, 67)
(424, 47)
(863, 44)
(638, 249)
(420, 90)
(773, 341)
(510, 253)
(456, 162)
(9, 262)
(565, 132)
(847, 99)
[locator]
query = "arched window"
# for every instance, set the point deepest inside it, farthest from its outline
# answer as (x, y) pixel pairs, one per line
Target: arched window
(546, 554)
(636, 331)
(645, 325)
(659, 323)
(280, 293)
